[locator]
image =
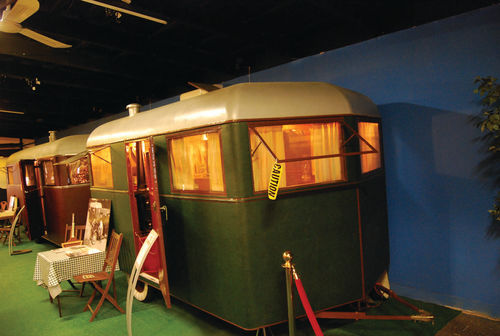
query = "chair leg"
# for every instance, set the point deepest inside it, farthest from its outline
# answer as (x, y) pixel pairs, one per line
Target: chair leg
(87, 306)
(94, 313)
(59, 305)
(104, 296)
(114, 288)
(71, 284)
(81, 290)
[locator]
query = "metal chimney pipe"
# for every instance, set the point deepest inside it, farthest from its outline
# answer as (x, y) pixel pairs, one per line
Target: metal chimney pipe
(133, 109)
(52, 136)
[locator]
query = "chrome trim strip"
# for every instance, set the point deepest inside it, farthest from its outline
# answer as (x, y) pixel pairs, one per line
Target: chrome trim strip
(67, 186)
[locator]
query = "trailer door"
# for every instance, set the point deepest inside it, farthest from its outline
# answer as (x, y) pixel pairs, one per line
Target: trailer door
(146, 213)
(30, 181)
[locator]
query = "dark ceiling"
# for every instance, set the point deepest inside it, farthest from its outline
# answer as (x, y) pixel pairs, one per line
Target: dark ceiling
(116, 59)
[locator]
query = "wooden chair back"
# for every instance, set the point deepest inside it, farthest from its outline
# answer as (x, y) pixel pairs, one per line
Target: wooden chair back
(113, 251)
(12, 203)
(79, 232)
(3, 205)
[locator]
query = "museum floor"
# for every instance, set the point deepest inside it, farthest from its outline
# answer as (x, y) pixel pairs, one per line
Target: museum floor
(25, 310)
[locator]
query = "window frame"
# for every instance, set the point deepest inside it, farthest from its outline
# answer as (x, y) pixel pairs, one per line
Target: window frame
(24, 165)
(89, 167)
(321, 120)
(10, 175)
(91, 172)
(44, 180)
(184, 134)
(378, 121)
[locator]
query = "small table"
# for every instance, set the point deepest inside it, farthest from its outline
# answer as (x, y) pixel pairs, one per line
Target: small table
(54, 266)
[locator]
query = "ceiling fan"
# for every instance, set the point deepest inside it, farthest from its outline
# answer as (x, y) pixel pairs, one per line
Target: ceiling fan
(16, 12)
(134, 12)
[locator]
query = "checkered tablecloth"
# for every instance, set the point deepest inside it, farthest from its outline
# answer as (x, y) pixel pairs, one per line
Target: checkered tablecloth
(54, 266)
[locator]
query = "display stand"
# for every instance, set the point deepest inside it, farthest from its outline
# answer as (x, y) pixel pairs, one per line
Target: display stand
(292, 276)
(11, 235)
(134, 275)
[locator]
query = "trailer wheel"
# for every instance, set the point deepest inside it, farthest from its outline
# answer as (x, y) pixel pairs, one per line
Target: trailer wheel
(141, 291)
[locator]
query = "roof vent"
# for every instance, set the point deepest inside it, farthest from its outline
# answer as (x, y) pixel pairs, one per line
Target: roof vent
(201, 89)
(52, 136)
(133, 109)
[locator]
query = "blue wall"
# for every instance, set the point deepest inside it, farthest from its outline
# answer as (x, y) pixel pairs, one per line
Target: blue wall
(422, 81)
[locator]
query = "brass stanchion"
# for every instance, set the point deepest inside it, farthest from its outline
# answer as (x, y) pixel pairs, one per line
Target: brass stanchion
(287, 257)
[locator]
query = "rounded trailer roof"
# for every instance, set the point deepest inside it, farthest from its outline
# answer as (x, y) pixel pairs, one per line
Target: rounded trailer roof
(246, 101)
(69, 145)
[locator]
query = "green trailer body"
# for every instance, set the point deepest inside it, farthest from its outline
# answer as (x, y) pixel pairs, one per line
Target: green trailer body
(224, 250)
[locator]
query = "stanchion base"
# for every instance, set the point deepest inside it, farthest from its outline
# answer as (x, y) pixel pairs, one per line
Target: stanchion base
(422, 316)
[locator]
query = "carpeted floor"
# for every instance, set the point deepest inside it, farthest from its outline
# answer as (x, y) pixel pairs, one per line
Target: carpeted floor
(25, 310)
(471, 325)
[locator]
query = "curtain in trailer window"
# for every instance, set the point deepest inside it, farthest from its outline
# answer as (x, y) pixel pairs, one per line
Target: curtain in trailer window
(196, 163)
(29, 175)
(301, 143)
(102, 175)
(326, 139)
(262, 160)
(48, 173)
(10, 175)
(370, 132)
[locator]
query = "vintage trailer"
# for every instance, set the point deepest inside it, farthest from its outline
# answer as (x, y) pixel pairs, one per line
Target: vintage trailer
(208, 161)
(51, 187)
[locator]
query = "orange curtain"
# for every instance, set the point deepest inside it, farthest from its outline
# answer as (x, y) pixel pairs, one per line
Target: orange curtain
(325, 140)
(215, 163)
(197, 163)
(369, 131)
(315, 140)
(262, 160)
(102, 175)
(182, 170)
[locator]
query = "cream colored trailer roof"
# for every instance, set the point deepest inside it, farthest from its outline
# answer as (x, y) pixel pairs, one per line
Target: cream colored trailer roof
(69, 145)
(247, 101)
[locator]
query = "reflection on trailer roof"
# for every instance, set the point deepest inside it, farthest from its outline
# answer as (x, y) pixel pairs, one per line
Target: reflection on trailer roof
(69, 145)
(247, 101)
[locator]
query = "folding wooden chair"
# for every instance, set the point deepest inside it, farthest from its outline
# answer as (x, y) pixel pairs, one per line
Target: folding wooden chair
(10, 209)
(78, 234)
(110, 261)
(74, 237)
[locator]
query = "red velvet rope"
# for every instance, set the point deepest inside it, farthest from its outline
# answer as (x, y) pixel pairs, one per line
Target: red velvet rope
(307, 307)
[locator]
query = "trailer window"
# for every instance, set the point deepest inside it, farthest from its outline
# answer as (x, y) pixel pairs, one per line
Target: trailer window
(29, 175)
(370, 132)
(196, 163)
(79, 171)
(10, 175)
(310, 147)
(48, 173)
(102, 175)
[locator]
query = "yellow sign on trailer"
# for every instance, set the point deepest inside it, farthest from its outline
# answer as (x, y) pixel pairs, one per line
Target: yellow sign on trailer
(274, 181)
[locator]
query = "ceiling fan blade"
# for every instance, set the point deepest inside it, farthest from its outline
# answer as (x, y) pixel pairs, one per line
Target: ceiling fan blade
(43, 39)
(22, 10)
(124, 10)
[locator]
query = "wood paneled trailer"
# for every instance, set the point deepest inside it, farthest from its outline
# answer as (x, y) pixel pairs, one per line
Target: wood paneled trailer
(208, 160)
(51, 187)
